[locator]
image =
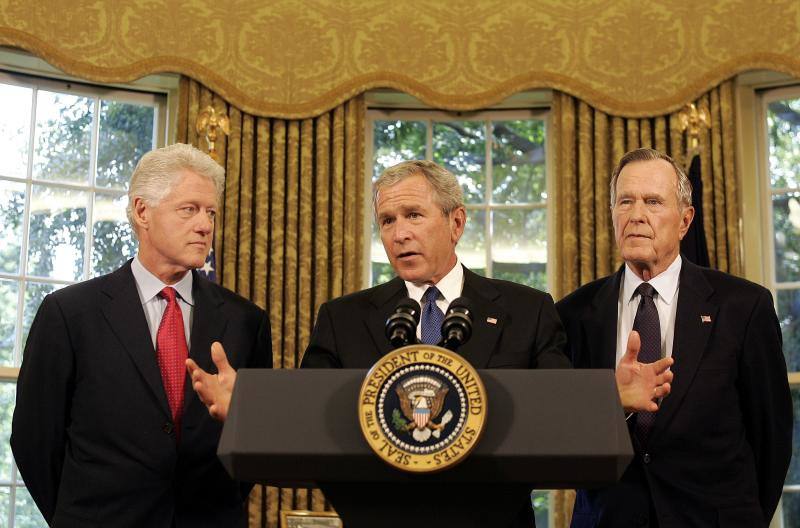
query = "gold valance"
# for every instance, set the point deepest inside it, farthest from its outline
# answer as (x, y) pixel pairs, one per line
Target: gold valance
(299, 58)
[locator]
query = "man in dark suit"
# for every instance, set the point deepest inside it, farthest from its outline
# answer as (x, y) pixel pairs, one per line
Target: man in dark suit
(421, 217)
(106, 432)
(717, 451)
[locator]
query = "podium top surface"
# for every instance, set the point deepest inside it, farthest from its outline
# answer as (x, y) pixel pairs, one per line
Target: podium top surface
(551, 428)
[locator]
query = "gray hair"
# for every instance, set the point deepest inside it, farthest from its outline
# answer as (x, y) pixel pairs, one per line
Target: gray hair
(683, 187)
(447, 192)
(161, 169)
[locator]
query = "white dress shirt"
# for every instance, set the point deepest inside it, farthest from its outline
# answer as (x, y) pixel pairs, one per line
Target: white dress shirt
(449, 288)
(666, 301)
(148, 286)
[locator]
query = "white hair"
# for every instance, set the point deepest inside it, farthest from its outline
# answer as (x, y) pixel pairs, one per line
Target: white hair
(161, 169)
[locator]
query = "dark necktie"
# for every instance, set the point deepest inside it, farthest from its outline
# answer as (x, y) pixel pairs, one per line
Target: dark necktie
(647, 324)
(432, 317)
(172, 352)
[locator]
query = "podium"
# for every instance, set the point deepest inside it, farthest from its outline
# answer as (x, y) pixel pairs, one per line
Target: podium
(545, 429)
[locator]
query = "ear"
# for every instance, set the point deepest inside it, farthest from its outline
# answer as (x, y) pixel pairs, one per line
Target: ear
(141, 214)
(687, 215)
(458, 219)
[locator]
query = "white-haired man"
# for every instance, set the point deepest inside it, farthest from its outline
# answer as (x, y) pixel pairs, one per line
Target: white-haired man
(717, 451)
(106, 431)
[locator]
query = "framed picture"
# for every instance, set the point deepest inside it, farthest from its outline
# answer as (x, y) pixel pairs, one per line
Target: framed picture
(310, 519)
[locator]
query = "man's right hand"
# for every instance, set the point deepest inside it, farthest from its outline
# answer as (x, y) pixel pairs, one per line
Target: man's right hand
(641, 384)
(214, 390)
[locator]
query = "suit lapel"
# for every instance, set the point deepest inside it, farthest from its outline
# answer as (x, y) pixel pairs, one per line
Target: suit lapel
(208, 325)
(600, 324)
(122, 308)
(485, 334)
(384, 298)
(692, 332)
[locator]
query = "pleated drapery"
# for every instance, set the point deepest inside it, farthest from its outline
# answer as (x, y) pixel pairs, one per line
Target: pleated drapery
(289, 234)
(589, 143)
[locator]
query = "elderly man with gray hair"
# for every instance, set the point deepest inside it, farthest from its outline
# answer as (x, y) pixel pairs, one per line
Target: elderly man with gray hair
(717, 451)
(106, 430)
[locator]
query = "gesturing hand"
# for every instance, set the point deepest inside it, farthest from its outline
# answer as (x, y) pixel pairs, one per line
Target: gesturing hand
(640, 384)
(214, 390)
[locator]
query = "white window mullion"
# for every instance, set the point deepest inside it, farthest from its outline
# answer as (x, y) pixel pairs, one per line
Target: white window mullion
(23, 270)
(93, 148)
(487, 195)
(429, 139)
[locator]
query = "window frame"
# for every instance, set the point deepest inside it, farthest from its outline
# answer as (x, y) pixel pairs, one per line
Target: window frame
(754, 91)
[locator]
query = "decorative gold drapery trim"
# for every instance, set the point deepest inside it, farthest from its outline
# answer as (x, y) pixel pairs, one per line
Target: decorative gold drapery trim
(301, 59)
(289, 234)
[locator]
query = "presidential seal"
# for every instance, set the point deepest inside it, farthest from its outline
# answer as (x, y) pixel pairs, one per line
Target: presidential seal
(422, 408)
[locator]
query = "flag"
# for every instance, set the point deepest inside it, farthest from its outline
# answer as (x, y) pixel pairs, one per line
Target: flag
(693, 245)
(209, 270)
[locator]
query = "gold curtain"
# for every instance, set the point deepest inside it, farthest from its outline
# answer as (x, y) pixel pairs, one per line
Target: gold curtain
(589, 142)
(289, 234)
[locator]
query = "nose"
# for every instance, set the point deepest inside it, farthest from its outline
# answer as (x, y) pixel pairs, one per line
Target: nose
(401, 231)
(205, 223)
(638, 211)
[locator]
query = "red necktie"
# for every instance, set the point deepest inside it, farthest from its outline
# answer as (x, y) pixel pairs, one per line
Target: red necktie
(172, 352)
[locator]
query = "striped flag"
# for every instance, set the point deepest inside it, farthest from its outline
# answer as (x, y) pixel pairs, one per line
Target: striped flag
(209, 270)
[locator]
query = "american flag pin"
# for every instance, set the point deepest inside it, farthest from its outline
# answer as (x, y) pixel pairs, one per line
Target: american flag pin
(491, 320)
(705, 318)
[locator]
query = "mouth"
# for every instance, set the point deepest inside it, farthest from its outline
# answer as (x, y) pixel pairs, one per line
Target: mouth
(406, 255)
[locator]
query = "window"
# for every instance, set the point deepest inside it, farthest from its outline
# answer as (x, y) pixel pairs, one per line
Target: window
(781, 160)
(67, 153)
(500, 159)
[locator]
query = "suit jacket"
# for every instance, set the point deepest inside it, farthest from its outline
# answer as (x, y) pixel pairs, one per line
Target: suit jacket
(92, 431)
(349, 333)
(721, 443)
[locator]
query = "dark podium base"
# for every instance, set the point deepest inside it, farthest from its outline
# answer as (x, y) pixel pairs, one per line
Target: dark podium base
(432, 505)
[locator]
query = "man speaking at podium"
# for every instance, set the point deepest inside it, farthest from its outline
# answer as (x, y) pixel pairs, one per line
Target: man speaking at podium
(105, 430)
(421, 216)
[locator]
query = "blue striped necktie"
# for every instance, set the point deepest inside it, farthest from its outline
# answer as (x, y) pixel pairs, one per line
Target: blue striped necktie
(432, 317)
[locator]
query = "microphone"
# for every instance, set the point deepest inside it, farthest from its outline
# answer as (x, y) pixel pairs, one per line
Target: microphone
(401, 326)
(457, 325)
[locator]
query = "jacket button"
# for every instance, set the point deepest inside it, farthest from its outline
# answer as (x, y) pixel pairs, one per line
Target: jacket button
(646, 458)
(167, 428)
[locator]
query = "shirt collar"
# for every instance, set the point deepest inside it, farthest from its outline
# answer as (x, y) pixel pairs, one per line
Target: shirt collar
(665, 283)
(449, 286)
(149, 285)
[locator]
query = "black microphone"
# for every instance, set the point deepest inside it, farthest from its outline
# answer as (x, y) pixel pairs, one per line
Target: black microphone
(401, 326)
(457, 325)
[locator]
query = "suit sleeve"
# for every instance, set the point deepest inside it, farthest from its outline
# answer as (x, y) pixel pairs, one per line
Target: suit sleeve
(42, 412)
(321, 349)
(551, 340)
(766, 402)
